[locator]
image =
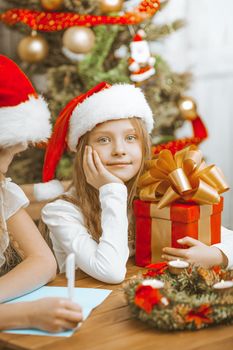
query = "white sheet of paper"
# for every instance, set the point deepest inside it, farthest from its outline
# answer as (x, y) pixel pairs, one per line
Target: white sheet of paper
(87, 298)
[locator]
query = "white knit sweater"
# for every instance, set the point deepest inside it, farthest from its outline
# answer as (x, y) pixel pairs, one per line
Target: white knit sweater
(105, 260)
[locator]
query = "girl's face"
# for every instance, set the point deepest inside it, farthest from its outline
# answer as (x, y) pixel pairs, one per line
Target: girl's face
(119, 147)
(7, 155)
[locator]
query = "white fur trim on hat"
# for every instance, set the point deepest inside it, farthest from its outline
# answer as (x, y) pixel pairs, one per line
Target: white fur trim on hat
(117, 102)
(48, 190)
(26, 122)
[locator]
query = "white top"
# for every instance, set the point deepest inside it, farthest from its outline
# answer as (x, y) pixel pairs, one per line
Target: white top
(106, 260)
(12, 198)
(226, 245)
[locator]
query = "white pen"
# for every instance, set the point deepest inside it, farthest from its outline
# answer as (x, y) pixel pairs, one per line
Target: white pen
(70, 275)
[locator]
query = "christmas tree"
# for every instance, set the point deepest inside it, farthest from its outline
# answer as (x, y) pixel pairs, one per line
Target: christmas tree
(76, 44)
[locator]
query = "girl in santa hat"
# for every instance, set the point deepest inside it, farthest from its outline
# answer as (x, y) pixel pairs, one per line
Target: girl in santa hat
(108, 129)
(26, 262)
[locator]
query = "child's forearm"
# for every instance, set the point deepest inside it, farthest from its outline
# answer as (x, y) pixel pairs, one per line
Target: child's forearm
(31, 274)
(14, 315)
(223, 261)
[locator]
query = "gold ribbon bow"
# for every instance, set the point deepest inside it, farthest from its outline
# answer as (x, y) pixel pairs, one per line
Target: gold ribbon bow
(182, 176)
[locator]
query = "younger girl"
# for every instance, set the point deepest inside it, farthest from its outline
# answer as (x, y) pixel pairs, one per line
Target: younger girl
(108, 129)
(26, 262)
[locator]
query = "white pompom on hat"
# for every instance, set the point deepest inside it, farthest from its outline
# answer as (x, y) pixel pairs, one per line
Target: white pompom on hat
(102, 103)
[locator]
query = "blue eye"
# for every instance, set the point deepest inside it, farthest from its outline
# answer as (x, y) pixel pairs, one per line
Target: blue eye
(103, 140)
(131, 137)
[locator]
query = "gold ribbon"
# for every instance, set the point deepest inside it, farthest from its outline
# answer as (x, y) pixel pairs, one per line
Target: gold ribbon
(204, 224)
(182, 176)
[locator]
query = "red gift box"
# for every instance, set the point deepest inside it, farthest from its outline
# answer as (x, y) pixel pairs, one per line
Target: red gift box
(159, 228)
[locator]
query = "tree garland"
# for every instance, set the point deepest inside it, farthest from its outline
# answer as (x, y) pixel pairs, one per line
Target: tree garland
(187, 301)
(199, 134)
(56, 21)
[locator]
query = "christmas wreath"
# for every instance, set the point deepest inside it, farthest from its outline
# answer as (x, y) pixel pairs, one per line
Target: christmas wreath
(187, 301)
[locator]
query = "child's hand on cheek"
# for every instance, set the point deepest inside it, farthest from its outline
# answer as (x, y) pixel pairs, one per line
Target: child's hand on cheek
(96, 174)
(198, 253)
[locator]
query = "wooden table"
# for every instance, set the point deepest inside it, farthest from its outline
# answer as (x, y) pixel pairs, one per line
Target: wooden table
(110, 327)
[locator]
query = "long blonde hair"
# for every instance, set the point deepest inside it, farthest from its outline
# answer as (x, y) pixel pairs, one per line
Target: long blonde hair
(11, 254)
(86, 197)
(2, 219)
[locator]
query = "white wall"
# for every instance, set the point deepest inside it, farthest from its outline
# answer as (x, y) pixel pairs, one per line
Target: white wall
(205, 47)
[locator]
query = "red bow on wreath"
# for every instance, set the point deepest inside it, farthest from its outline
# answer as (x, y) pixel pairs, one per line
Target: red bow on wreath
(146, 297)
(199, 315)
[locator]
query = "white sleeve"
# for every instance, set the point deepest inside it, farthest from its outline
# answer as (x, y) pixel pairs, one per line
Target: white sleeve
(106, 260)
(226, 245)
(14, 199)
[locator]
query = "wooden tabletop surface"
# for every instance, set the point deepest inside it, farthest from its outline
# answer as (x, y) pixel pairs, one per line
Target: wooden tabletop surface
(110, 327)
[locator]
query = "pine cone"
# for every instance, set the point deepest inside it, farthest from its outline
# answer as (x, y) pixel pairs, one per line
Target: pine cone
(179, 313)
(207, 275)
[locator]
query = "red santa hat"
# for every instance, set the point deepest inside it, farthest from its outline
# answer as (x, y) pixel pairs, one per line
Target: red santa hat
(102, 103)
(24, 115)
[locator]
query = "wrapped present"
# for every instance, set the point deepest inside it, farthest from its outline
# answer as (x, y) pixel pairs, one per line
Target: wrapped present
(159, 228)
(179, 196)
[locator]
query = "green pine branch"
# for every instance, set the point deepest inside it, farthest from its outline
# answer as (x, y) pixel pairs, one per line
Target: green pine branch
(92, 69)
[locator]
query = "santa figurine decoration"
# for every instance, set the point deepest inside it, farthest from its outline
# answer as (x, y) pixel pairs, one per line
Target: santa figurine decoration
(141, 63)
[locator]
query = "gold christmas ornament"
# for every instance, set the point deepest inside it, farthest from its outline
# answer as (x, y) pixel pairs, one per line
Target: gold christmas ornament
(51, 5)
(78, 39)
(107, 6)
(33, 48)
(187, 107)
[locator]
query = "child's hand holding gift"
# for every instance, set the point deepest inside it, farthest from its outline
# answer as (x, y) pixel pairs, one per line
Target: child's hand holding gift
(197, 253)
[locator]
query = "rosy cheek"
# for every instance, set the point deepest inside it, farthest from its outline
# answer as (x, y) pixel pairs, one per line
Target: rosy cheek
(137, 153)
(100, 152)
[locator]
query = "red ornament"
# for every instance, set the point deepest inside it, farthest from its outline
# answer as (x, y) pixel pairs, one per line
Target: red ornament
(156, 269)
(146, 297)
